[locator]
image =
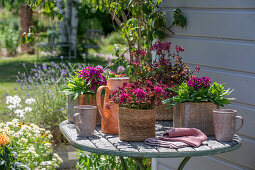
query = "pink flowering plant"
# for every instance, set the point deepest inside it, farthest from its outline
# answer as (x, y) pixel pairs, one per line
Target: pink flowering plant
(85, 81)
(138, 95)
(200, 90)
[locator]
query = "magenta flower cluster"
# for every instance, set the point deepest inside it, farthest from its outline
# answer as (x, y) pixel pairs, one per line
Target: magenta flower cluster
(198, 83)
(93, 77)
(138, 95)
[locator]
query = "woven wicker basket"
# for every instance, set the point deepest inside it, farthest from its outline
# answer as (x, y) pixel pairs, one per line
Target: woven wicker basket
(164, 114)
(195, 115)
(136, 125)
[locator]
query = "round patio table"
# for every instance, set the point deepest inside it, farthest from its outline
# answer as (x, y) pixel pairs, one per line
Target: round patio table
(109, 144)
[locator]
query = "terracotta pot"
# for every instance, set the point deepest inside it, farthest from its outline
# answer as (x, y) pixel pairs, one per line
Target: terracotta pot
(82, 100)
(164, 114)
(109, 115)
(195, 115)
(136, 124)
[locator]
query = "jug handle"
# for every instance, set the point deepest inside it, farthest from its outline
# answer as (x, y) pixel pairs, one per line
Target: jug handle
(98, 97)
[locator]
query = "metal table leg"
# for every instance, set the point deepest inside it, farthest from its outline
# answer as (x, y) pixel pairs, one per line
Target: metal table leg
(183, 163)
(139, 163)
(123, 163)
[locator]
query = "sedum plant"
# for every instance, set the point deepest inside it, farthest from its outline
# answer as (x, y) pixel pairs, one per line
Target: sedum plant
(200, 90)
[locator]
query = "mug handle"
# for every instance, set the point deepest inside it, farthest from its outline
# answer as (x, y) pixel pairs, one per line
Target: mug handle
(239, 117)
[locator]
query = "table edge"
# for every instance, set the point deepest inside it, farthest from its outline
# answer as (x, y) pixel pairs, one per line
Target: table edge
(151, 154)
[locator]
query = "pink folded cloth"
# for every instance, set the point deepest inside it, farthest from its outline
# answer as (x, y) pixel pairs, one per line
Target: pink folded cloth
(178, 138)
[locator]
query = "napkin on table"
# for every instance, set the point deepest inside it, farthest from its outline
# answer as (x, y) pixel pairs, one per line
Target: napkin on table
(178, 138)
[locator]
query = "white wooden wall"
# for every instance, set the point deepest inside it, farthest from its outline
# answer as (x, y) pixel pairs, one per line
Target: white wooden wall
(220, 37)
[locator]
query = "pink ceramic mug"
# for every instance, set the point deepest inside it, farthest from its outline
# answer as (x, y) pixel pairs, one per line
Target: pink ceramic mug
(224, 121)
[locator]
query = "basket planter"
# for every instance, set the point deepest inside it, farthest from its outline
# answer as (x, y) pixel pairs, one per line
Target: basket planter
(136, 125)
(195, 115)
(164, 114)
(82, 100)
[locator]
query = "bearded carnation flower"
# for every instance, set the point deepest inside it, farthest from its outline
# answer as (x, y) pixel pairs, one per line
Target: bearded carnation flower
(140, 93)
(197, 83)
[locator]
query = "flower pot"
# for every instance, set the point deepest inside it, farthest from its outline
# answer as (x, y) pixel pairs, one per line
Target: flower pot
(109, 113)
(164, 114)
(82, 100)
(136, 125)
(195, 115)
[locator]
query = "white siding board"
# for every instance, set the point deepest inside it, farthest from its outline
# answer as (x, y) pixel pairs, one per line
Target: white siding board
(248, 114)
(247, 4)
(217, 23)
(243, 156)
(220, 37)
(195, 163)
(243, 85)
(237, 56)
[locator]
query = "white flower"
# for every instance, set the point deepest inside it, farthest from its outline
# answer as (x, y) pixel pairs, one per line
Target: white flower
(20, 113)
(30, 101)
(23, 140)
(46, 163)
(57, 158)
(47, 144)
(28, 109)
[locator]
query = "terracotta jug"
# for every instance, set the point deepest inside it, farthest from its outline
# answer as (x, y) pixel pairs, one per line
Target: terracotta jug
(109, 115)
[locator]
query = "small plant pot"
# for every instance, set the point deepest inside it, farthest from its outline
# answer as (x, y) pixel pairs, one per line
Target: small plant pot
(195, 115)
(136, 124)
(164, 114)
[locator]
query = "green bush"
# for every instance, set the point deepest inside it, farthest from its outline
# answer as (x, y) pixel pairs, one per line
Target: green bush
(39, 99)
(105, 162)
(114, 38)
(29, 144)
(9, 33)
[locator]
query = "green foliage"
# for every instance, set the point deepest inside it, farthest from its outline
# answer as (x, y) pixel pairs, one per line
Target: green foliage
(93, 161)
(8, 160)
(9, 33)
(179, 19)
(30, 145)
(114, 38)
(76, 86)
(215, 93)
(90, 18)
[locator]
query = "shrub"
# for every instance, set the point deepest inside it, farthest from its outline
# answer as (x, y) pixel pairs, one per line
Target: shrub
(9, 33)
(104, 162)
(43, 83)
(30, 144)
